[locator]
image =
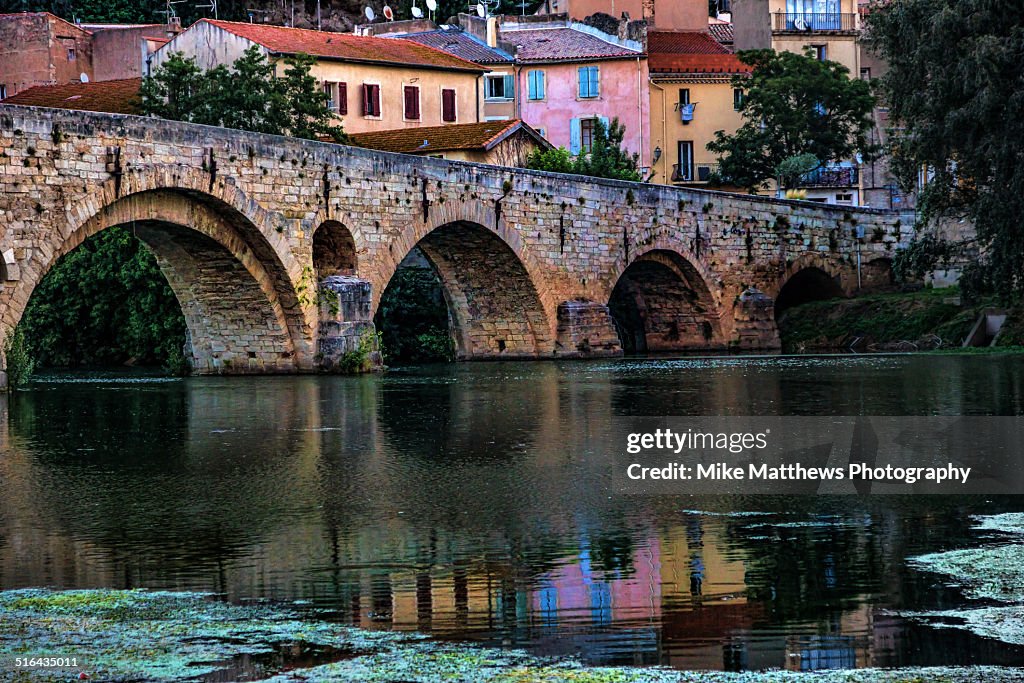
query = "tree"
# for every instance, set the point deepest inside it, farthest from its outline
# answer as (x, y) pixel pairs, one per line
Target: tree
(606, 158)
(247, 96)
(799, 113)
(955, 87)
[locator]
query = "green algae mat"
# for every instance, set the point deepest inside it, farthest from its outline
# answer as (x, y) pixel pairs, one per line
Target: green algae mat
(169, 636)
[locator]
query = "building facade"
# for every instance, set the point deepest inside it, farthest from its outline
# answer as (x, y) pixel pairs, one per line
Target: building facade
(38, 48)
(373, 83)
(692, 96)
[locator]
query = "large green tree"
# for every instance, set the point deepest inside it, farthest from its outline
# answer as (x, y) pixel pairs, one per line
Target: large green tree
(248, 95)
(955, 85)
(606, 158)
(799, 113)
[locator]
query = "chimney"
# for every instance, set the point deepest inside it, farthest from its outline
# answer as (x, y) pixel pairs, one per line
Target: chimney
(173, 26)
(492, 31)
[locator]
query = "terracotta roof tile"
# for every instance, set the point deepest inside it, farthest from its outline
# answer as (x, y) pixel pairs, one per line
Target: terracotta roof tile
(562, 45)
(460, 44)
(722, 32)
(344, 46)
(428, 139)
(691, 52)
(114, 97)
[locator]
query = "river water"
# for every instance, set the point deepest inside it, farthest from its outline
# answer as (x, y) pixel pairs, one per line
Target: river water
(444, 499)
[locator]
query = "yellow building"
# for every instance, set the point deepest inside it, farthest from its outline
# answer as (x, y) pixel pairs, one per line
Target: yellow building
(692, 97)
(373, 83)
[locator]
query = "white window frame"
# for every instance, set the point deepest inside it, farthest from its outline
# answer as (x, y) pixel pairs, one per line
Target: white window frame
(498, 76)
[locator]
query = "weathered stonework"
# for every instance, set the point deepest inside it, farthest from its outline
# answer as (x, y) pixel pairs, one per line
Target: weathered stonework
(529, 261)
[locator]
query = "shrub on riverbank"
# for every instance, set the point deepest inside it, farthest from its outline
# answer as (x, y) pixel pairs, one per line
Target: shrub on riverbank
(930, 318)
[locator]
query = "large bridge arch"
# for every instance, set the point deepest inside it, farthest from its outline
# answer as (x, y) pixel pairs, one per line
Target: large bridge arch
(811, 277)
(241, 309)
(495, 294)
(664, 299)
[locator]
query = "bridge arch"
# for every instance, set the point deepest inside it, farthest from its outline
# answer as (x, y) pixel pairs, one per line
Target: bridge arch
(812, 277)
(492, 288)
(241, 308)
(662, 301)
(334, 250)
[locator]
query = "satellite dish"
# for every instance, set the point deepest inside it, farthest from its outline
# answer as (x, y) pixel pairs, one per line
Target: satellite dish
(432, 5)
(481, 11)
(389, 13)
(800, 24)
(370, 14)
(84, 77)
(417, 13)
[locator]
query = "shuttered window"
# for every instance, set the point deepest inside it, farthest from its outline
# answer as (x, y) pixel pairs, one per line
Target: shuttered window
(412, 103)
(448, 105)
(342, 98)
(371, 99)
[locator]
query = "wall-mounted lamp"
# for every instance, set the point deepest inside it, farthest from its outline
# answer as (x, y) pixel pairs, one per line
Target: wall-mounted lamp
(657, 155)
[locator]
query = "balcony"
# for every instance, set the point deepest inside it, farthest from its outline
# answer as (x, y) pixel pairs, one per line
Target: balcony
(814, 22)
(697, 173)
(831, 176)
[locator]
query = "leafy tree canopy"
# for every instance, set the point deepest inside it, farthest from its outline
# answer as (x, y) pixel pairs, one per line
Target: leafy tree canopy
(247, 96)
(955, 85)
(606, 159)
(799, 113)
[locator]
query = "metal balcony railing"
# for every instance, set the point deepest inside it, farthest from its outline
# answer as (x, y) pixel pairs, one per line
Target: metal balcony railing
(696, 173)
(831, 176)
(814, 22)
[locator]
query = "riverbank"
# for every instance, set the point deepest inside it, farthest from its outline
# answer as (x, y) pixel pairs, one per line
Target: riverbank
(926, 320)
(113, 635)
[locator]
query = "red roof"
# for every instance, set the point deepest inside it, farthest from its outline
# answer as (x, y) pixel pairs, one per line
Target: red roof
(428, 139)
(114, 97)
(563, 44)
(344, 46)
(690, 52)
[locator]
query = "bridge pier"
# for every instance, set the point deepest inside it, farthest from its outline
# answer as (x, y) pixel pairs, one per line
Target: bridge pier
(754, 327)
(586, 330)
(347, 337)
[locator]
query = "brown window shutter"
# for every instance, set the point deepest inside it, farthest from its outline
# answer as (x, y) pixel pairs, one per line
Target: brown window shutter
(448, 105)
(375, 99)
(342, 98)
(412, 103)
(367, 106)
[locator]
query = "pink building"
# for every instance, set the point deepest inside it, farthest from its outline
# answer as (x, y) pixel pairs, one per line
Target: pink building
(569, 76)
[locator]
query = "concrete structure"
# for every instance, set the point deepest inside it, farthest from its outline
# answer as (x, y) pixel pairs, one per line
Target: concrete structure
(499, 143)
(692, 97)
(248, 227)
(374, 83)
(121, 50)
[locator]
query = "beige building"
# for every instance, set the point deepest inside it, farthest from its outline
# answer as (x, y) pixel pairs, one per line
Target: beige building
(692, 97)
(373, 83)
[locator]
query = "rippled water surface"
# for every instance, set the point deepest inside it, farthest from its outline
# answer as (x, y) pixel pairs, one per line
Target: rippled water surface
(450, 500)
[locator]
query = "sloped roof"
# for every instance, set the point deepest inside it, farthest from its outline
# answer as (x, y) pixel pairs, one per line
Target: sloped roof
(425, 140)
(114, 97)
(344, 46)
(690, 52)
(460, 44)
(722, 32)
(563, 44)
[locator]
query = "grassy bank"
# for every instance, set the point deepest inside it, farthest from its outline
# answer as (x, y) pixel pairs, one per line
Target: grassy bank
(926, 320)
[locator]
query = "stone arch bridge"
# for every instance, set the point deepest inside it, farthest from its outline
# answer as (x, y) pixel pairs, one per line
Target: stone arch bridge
(278, 249)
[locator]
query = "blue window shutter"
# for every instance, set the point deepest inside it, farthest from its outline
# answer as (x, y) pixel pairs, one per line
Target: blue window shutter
(575, 138)
(540, 84)
(582, 78)
(595, 88)
(510, 87)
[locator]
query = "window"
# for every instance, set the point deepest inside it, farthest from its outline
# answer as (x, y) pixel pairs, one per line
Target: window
(820, 52)
(589, 85)
(536, 84)
(587, 128)
(684, 171)
(3, 91)
(371, 99)
(448, 113)
(331, 90)
(71, 53)
(543, 132)
(412, 102)
(865, 73)
(684, 97)
(499, 87)
(737, 99)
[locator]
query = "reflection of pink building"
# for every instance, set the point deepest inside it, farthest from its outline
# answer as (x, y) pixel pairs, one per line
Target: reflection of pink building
(569, 76)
